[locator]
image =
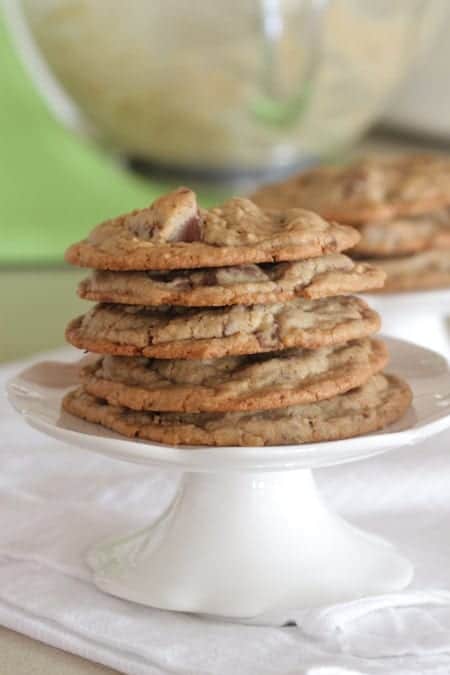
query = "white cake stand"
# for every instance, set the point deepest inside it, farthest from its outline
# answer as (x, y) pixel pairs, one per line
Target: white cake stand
(421, 316)
(247, 537)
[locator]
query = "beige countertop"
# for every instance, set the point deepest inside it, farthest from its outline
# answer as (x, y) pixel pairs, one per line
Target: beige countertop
(22, 656)
(35, 305)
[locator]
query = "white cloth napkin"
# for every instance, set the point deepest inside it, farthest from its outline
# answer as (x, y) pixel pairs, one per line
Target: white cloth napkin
(55, 501)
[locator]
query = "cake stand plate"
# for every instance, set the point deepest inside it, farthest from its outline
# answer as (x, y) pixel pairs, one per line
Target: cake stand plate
(247, 536)
(421, 316)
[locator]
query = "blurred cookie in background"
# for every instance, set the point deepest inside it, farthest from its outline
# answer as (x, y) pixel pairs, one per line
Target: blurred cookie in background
(400, 205)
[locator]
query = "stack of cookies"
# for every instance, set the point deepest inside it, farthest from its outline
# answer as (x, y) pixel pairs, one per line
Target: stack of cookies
(229, 326)
(400, 205)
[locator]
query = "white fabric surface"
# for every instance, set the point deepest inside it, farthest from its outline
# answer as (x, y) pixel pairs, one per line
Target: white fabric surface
(55, 501)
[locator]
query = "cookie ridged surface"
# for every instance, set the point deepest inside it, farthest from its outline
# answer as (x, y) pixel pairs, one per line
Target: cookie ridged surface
(381, 401)
(244, 284)
(186, 333)
(234, 383)
(366, 190)
(174, 233)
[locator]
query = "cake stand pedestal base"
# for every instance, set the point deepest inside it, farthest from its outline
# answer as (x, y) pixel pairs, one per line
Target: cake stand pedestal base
(247, 536)
(247, 545)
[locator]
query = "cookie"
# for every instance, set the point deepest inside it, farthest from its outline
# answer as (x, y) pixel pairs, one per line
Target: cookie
(403, 236)
(173, 233)
(245, 284)
(379, 402)
(185, 333)
(418, 272)
(366, 190)
(234, 383)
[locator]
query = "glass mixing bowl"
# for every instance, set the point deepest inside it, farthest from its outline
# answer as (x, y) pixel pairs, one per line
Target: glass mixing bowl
(243, 87)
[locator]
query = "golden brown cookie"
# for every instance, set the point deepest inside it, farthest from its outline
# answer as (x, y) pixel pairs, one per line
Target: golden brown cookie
(366, 190)
(402, 236)
(258, 382)
(326, 276)
(417, 272)
(173, 233)
(378, 403)
(185, 333)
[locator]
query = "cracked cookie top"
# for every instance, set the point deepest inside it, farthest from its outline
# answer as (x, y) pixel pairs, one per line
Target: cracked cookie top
(188, 333)
(174, 233)
(379, 402)
(329, 275)
(257, 382)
